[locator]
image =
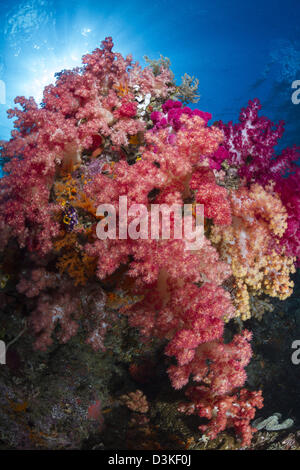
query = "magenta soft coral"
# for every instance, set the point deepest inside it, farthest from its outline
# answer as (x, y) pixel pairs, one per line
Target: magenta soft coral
(250, 146)
(170, 117)
(289, 191)
(251, 142)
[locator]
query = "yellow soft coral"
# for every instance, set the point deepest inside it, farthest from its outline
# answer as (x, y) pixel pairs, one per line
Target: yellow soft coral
(251, 246)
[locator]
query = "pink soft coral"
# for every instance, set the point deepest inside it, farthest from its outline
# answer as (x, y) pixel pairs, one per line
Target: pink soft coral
(213, 197)
(74, 110)
(219, 368)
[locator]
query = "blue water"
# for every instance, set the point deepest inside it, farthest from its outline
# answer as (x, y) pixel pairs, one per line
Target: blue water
(238, 49)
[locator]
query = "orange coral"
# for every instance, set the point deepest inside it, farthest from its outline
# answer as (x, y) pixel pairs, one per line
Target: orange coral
(69, 190)
(65, 189)
(84, 203)
(121, 89)
(80, 267)
(73, 260)
(18, 407)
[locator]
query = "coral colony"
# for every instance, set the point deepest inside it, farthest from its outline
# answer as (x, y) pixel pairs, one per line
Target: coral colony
(111, 129)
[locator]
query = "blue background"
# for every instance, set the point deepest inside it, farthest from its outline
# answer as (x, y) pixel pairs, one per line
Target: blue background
(238, 49)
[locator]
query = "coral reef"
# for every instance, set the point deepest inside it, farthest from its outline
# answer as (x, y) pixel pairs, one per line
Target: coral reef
(112, 130)
(251, 244)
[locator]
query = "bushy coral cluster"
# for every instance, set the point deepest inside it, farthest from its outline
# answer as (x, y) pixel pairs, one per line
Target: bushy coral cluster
(250, 148)
(112, 129)
(251, 245)
(219, 368)
(135, 401)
